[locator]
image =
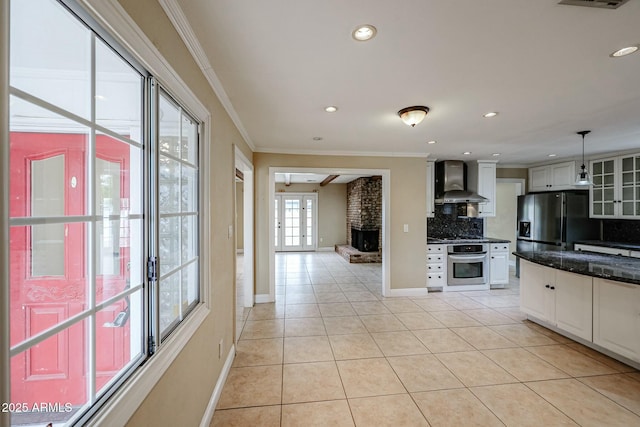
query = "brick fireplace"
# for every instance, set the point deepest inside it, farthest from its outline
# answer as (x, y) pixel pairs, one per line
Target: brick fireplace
(364, 218)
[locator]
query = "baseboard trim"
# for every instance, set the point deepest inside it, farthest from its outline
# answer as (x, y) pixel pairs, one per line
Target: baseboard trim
(407, 292)
(326, 249)
(217, 390)
(263, 298)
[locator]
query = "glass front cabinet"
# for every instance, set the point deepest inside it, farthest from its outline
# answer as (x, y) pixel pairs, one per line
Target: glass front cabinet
(616, 187)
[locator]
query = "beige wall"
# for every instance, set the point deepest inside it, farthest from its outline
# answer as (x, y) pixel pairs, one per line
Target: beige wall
(407, 206)
(332, 210)
(519, 173)
(182, 394)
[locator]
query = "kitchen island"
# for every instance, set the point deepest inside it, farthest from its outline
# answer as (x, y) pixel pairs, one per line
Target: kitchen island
(589, 297)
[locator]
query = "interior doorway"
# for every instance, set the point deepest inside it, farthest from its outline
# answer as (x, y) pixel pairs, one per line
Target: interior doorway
(384, 233)
(503, 225)
(245, 293)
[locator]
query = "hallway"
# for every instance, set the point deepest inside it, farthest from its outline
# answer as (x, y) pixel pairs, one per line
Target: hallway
(332, 351)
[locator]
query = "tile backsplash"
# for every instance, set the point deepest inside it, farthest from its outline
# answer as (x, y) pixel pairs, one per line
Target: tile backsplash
(447, 223)
(623, 231)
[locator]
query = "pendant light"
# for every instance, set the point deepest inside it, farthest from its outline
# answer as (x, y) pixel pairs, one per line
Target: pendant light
(583, 179)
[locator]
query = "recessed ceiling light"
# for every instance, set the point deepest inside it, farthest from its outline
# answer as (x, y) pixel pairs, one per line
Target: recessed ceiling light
(625, 51)
(552, 155)
(331, 109)
(490, 114)
(317, 138)
(365, 32)
(495, 154)
(466, 153)
(431, 142)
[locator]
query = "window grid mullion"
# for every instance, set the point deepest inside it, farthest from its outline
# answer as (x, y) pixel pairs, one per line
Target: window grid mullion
(92, 243)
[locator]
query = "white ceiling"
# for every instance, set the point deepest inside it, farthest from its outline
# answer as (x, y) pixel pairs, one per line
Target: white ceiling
(544, 67)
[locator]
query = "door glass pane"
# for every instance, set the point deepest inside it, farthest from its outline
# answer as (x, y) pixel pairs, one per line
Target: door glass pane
(609, 208)
(118, 94)
(608, 166)
(597, 208)
(627, 164)
(597, 195)
(108, 206)
(627, 193)
(52, 61)
(47, 200)
(597, 168)
(292, 222)
(309, 222)
(627, 208)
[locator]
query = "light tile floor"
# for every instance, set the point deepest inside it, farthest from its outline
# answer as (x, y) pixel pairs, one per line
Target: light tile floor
(331, 351)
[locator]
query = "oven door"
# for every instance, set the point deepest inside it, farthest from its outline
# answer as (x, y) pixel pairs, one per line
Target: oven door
(469, 269)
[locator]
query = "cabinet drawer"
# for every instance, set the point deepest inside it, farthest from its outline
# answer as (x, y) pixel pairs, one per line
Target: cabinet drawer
(500, 247)
(435, 249)
(435, 268)
(435, 258)
(435, 279)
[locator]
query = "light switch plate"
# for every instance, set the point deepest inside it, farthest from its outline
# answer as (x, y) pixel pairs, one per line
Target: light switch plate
(406, 228)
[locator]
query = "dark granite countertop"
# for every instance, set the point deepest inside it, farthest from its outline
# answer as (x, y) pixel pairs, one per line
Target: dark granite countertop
(462, 240)
(612, 267)
(617, 245)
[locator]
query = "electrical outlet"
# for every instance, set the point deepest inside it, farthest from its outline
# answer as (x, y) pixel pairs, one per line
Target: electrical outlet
(220, 347)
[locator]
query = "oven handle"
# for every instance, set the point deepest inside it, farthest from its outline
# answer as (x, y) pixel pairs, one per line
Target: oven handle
(468, 258)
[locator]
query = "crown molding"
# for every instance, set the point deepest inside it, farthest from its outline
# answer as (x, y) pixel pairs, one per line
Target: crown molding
(269, 150)
(182, 26)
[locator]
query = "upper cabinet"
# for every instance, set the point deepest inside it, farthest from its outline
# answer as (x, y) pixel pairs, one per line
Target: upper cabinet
(559, 176)
(431, 188)
(616, 187)
(481, 178)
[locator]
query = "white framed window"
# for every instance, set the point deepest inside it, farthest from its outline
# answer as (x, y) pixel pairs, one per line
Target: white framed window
(104, 214)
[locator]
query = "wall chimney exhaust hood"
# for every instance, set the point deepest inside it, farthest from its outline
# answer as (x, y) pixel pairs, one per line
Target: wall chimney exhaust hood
(451, 183)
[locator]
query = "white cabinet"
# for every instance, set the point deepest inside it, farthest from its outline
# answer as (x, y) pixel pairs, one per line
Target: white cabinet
(431, 186)
(481, 178)
(601, 249)
(536, 298)
(558, 297)
(559, 176)
(616, 187)
(436, 266)
(574, 302)
(499, 263)
(616, 317)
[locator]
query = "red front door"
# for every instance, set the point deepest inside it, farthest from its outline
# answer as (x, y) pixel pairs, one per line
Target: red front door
(49, 264)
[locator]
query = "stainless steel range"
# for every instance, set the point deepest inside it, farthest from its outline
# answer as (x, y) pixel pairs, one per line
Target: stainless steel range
(467, 267)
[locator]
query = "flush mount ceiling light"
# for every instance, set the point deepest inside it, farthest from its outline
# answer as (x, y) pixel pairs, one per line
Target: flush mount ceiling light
(431, 142)
(625, 51)
(495, 154)
(583, 178)
(331, 109)
(413, 115)
(365, 32)
(490, 114)
(552, 155)
(466, 153)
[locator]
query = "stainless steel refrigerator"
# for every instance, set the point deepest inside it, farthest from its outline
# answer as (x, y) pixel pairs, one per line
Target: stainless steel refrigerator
(554, 221)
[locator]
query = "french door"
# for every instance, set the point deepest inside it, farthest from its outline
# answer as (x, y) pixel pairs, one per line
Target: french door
(296, 222)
